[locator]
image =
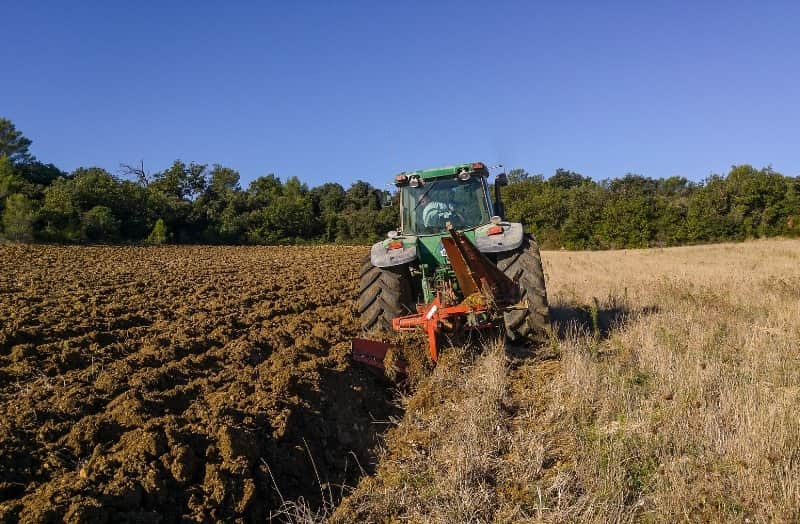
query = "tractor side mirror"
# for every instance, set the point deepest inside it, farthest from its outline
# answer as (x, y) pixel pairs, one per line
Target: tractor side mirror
(387, 199)
(500, 180)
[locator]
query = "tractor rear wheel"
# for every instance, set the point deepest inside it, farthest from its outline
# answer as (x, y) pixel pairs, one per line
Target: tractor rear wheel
(525, 266)
(383, 294)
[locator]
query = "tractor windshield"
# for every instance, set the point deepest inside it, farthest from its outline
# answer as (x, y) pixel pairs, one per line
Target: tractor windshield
(428, 208)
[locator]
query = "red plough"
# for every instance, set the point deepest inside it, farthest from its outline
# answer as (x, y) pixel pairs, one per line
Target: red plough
(488, 291)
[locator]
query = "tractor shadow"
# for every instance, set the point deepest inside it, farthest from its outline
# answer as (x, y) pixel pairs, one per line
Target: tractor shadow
(593, 319)
(577, 320)
(332, 435)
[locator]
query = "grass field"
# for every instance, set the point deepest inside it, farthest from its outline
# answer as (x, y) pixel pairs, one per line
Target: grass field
(669, 392)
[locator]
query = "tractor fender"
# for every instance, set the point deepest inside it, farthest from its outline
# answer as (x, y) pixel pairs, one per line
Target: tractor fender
(382, 256)
(508, 240)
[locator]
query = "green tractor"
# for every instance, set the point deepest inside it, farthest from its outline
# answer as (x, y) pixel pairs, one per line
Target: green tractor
(453, 264)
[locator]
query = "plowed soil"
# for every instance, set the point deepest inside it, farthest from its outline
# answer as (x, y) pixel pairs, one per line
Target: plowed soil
(179, 383)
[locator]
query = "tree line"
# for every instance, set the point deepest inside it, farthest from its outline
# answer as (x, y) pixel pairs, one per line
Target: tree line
(185, 203)
(197, 203)
(573, 211)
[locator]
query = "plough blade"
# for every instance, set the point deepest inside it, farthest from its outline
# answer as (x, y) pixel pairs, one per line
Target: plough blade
(476, 273)
(372, 353)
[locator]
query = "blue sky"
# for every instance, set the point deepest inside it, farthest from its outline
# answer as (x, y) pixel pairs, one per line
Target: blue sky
(340, 91)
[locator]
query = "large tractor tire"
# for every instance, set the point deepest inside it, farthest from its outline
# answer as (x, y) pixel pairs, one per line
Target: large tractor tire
(524, 265)
(383, 294)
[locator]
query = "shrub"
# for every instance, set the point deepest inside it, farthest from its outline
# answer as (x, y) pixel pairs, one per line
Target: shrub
(159, 234)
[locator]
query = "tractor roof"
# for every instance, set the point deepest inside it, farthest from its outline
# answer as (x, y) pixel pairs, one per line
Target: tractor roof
(449, 171)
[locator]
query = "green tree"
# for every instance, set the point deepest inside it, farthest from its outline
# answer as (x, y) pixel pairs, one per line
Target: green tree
(13, 143)
(542, 208)
(223, 179)
(630, 212)
(219, 211)
(362, 195)
(566, 179)
(180, 181)
(233, 220)
(100, 225)
(10, 181)
(673, 195)
(264, 190)
(357, 226)
(328, 201)
(94, 186)
(132, 210)
(791, 225)
(517, 195)
(585, 205)
(708, 218)
(18, 217)
(39, 174)
(286, 219)
(59, 216)
(517, 175)
(170, 197)
(757, 200)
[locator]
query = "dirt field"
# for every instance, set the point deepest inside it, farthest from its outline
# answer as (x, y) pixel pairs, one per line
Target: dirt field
(160, 384)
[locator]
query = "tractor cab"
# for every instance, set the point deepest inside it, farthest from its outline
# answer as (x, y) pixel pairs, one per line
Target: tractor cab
(431, 199)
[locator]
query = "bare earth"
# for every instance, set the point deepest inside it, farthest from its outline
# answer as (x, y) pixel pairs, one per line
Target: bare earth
(157, 384)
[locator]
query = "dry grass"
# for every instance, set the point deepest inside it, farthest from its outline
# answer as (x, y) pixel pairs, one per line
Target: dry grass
(427, 478)
(670, 392)
(688, 409)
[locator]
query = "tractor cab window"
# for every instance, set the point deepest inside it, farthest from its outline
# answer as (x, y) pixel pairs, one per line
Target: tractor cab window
(428, 208)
